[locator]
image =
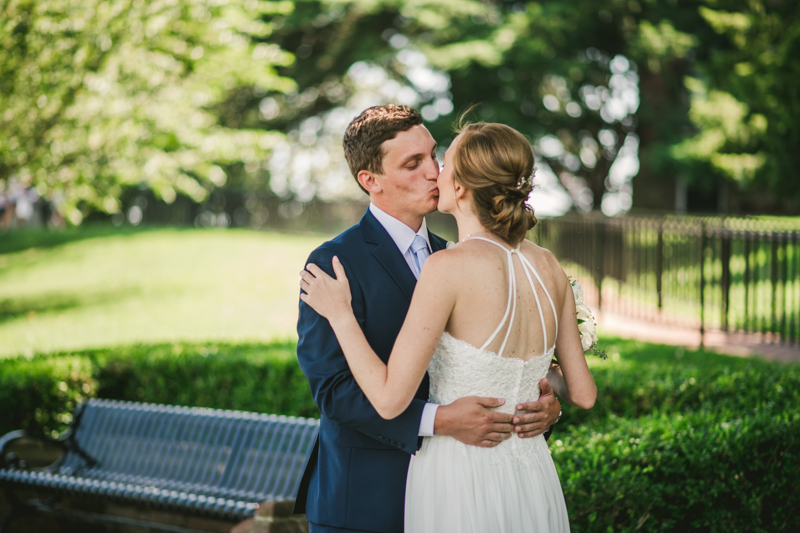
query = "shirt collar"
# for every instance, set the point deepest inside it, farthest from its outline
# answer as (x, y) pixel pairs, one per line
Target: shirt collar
(401, 234)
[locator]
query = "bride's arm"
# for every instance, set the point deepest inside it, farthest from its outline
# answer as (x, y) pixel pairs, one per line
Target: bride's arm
(574, 382)
(390, 388)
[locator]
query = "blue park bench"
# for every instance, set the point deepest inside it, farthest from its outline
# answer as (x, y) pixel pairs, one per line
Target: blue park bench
(178, 469)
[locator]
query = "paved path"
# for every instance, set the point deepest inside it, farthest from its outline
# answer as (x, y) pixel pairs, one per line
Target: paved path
(732, 344)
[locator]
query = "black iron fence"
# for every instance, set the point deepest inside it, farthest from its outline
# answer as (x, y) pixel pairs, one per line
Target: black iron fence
(709, 273)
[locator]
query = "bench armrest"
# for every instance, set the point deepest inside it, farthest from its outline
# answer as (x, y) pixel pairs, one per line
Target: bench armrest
(9, 459)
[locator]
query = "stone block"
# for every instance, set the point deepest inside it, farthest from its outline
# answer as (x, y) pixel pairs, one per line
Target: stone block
(261, 524)
(275, 509)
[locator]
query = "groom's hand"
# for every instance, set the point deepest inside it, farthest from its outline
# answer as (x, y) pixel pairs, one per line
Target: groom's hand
(536, 417)
(471, 421)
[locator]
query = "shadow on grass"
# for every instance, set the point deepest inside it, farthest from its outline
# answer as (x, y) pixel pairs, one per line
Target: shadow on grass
(15, 308)
(20, 240)
(645, 353)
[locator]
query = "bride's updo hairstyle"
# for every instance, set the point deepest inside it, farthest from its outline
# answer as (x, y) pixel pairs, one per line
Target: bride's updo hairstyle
(495, 162)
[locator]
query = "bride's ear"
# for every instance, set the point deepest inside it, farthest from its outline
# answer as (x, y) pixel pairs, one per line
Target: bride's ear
(460, 191)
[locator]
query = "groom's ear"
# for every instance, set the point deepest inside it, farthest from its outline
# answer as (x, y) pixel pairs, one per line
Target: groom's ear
(368, 181)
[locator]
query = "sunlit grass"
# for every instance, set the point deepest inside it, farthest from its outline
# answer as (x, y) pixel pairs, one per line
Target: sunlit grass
(102, 288)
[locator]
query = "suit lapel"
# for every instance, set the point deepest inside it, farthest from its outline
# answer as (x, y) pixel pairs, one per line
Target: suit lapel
(386, 253)
(437, 243)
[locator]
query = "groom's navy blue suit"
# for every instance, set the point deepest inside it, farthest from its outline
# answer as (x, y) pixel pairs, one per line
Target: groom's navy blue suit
(356, 475)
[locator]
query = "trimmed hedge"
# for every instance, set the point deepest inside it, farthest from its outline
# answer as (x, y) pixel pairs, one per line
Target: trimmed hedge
(684, 473)
(677, 440)
(650, 379)
(256, 378)
(41, 392)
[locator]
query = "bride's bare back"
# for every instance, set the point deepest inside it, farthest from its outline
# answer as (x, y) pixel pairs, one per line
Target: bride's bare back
(483, 301)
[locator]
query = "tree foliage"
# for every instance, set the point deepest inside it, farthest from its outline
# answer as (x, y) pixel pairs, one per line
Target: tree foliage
(697, 90)
(99, 95)
(744, 102)
(546, 68)
(182, 95)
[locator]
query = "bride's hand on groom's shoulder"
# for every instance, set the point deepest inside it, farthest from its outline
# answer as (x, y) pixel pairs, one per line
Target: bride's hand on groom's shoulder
(533, 418)
(330, 297)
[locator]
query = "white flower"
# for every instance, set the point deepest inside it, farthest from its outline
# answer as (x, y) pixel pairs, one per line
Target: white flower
(588, 327)
(586, 341)
(450, 245)
(586, 324)
(584, 313)
(578, 292)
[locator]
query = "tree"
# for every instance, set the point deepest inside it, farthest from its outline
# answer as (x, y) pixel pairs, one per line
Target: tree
(349, 56)
(102, 95)
(548, 69)
(744, 103)
(534, 68)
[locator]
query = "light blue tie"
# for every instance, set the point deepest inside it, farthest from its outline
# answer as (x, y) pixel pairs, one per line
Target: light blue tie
(419, 248)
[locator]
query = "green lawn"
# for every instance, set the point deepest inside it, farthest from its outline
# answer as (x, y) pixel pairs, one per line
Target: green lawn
(98, 287)
(679, 440)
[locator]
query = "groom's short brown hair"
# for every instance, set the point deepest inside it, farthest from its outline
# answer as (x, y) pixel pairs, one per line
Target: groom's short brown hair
(364, 137)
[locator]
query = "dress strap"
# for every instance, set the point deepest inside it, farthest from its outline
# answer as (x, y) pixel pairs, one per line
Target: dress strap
(512, 301)
(528, 268)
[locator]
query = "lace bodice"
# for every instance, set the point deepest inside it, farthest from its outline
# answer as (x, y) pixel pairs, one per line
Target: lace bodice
(459, 369)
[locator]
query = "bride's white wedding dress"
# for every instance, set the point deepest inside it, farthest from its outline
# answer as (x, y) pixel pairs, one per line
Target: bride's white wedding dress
(512, 487)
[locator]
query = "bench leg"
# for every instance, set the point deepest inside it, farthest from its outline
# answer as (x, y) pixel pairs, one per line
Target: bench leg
(21, 509)
(9, 518)
(18, 509)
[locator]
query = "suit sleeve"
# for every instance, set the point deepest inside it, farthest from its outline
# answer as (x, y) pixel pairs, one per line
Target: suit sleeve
(333, 386)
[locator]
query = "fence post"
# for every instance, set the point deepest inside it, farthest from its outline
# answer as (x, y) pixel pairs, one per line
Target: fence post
(785, 298)
(774, 279)
(702, 284)
(726, 276)
(746, 325)
(795, 248)
(660, 262)
(599, 258)
(795, 288)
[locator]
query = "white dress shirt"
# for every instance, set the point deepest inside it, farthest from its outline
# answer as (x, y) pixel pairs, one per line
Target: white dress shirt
(403, 236)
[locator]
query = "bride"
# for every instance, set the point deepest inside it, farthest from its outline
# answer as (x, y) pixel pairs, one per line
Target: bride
(486, 318)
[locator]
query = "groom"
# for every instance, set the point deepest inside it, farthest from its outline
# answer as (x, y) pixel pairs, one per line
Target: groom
(356, 475)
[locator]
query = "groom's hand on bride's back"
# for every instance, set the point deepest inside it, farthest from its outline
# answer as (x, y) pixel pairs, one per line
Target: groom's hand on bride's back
(471, 421)
(533, 418)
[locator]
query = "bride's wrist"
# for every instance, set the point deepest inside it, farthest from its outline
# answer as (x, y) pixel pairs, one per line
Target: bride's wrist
(343, 321)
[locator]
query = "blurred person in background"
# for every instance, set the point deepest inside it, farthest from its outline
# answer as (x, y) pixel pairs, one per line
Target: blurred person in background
(5, 208)
(25, 200)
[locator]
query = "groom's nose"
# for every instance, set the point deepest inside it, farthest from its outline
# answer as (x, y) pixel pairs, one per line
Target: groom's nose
(431, 169)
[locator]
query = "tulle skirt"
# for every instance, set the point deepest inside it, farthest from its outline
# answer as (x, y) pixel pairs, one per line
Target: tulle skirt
(512, 488)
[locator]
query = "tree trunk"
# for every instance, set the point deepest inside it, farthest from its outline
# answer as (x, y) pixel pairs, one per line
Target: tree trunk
(662, 105)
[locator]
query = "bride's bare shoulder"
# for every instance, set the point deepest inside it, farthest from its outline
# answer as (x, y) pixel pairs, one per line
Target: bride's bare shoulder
(446, 267)
(448, 256)
(541, 256)
(471, 253)
(533, 248)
